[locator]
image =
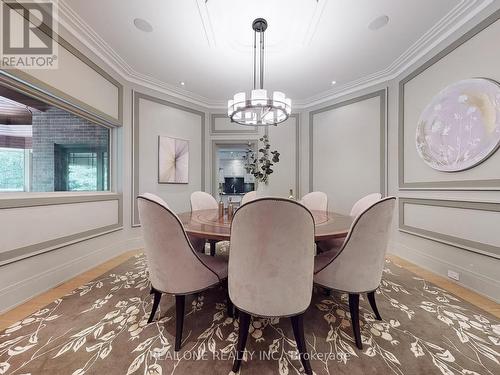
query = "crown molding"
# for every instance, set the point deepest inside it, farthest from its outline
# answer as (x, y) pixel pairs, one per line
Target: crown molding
(463, 12)
(75, 25)
(451, 22)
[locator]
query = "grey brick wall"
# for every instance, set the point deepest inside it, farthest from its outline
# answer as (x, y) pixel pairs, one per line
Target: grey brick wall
(56, 126)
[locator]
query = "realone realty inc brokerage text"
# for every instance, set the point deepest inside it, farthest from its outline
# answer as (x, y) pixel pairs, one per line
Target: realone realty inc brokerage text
(196, 355)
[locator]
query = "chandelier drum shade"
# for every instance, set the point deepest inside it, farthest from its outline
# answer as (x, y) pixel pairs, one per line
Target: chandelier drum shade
(259, 109)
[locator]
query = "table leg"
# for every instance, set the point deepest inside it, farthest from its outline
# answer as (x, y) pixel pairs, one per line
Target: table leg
(212, 247)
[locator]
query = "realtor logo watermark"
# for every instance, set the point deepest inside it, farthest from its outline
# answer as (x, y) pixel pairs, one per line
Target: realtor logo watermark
(28, 37)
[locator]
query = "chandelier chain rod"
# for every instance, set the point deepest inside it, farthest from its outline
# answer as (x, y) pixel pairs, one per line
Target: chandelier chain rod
(262, 59)
(254, 60)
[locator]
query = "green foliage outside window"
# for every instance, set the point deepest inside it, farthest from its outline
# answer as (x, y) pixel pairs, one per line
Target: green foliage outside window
(82, 177)
(11, 169)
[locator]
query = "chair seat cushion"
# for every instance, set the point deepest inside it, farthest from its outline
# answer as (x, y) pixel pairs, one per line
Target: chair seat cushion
(216, 264)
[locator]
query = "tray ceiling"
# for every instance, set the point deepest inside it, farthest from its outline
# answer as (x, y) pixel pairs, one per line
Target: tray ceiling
(207, 44)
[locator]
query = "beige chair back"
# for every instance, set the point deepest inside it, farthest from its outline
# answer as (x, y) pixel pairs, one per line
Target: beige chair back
(155, 198)
(365, 202)
(173, 265)
(315, 201)
(359, 264)
(271, 257)
(248, 197)
(202, 201)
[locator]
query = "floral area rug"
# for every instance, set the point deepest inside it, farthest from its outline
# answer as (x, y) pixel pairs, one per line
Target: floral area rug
(101, 328)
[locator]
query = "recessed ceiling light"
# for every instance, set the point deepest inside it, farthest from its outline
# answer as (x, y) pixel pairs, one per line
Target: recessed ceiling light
(182, 83)
(143, 25)
(378, 22)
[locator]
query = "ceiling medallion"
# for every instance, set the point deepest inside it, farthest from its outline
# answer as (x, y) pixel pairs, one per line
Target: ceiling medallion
(259, 109)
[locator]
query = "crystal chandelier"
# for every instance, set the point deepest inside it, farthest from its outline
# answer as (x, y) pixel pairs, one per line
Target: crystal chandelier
(259, 109)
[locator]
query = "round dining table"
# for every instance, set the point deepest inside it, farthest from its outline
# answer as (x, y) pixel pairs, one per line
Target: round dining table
(209, 225)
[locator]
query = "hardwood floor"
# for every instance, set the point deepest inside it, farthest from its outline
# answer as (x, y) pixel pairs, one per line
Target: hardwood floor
(27, 308)
(466, 294)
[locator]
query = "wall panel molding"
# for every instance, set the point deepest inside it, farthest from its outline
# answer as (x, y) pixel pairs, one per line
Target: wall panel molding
(136, 97)
(298, 140)
(463, 243)
(493, 184)
(382, 94)
(20, 253)
(236, 131)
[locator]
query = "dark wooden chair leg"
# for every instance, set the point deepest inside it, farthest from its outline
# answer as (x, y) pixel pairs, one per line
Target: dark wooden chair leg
(373, 304)
(354, 308)
(298, 331)
(242, 340)
(180, 302)
(156, 302)
(230, 306)
(236, 312)
(212, 247)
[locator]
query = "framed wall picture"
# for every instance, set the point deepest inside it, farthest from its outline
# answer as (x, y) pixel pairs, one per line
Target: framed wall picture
(173, 160)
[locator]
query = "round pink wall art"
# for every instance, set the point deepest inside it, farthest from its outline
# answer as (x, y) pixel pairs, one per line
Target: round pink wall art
(460, 127)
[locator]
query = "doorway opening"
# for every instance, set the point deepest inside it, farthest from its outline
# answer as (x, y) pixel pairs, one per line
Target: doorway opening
(230, 178)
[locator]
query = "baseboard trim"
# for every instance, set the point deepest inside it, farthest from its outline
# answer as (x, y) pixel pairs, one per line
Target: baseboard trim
(24, 290)
(436, 265)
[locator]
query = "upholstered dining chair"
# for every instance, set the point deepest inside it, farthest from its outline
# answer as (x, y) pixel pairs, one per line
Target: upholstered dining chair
(315, 201)
(357, 267)
(361, 205)
(271, 266)
(174, 267)
(248, 197)
(204, 201)
(197, 242)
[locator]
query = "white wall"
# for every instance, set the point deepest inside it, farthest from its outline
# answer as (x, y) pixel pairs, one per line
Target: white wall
(75, 78)
(475, 58)
(157, 119)
(232, 167)
(283, 138)
(474, 225)
(21, 280)
(346, 152)
(92, 215)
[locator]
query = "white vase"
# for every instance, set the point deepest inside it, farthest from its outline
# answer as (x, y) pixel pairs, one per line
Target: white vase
(263, 190)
